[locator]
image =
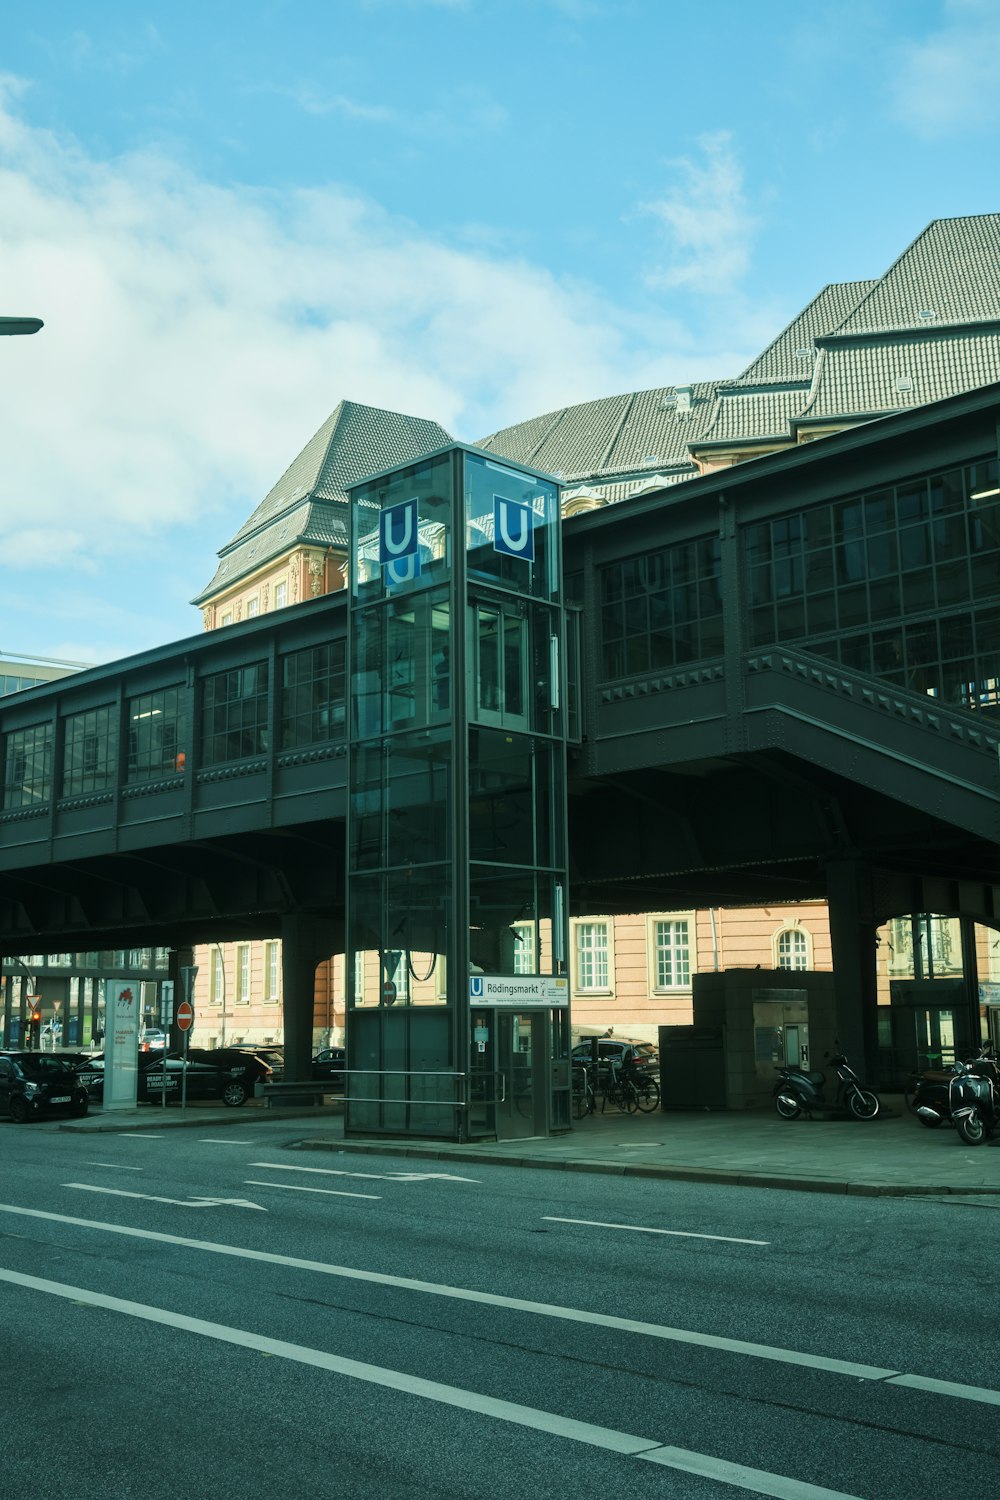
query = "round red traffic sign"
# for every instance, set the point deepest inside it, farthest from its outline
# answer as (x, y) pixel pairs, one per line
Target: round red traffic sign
(388, 992)
(184, 1018)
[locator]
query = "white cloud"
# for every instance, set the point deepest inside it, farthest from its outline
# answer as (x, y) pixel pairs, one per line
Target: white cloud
(196, 336)
(708, 225)
(948, 82)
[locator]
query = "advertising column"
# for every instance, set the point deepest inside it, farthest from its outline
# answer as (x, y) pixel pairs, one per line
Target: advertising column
(121, 1044)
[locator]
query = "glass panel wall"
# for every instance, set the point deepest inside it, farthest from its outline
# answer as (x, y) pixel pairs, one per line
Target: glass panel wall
(157, 733)
(27, 768)
(90, 751)
(902, 583)
(234, 714)
(313, 695)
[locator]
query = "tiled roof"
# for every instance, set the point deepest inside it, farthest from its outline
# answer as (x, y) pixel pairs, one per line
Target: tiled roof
(308, 505)
(860, 379)
(951, 271)
(748, 416)
(792, 354)
(644, 430)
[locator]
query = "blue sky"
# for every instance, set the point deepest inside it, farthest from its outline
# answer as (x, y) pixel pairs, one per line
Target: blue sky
(232, 216)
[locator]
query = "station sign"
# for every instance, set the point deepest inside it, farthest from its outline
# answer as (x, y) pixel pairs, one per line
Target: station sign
(518, 989)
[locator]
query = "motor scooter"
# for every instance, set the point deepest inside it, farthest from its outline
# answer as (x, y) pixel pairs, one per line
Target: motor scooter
(930, 1099)
(798, 1092)
(974, 1097)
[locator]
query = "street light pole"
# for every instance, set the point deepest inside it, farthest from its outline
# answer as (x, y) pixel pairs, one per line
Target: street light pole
(20, 325)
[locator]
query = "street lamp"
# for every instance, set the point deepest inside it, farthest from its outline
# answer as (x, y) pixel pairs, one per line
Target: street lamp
(20, 325)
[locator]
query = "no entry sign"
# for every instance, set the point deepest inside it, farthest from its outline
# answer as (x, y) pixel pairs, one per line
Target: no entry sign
(184, 1017)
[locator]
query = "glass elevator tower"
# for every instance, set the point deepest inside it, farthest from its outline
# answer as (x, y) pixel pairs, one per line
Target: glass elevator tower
(457, 995)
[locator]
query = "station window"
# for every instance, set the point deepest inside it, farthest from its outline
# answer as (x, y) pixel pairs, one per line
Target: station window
(234, 714)
(592, 956)
(524, 948)
(791, 949)
(217, 978)
(90, 751)
(27, 769)
(272, 972)
(243, 974)
(157, 733)
(670, 944)
(313, 695)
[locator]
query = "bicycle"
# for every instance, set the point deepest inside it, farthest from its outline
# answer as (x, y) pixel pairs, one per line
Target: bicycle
(584, 1098)
(619, 1089)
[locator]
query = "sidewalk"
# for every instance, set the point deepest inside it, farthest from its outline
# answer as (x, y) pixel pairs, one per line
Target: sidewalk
(893, 1155)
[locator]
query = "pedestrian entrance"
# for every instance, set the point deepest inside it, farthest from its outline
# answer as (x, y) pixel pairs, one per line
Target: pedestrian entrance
(457, 1009)
(519, 1072)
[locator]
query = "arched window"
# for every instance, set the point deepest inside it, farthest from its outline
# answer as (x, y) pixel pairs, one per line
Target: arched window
(791, 949)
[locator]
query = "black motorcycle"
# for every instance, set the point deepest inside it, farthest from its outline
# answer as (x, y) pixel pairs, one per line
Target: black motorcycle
(974, 1098)
(798, 1092)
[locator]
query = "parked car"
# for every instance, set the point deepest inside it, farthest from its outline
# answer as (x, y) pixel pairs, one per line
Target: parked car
(221, 1073)
(33, 1084)
(642, 1056)
(153, 1041)
(273, 1056)
(328, 1066)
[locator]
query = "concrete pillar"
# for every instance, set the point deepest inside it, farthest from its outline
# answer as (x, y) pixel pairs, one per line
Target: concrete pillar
(179, 958)
(305, 942)
(852, 934)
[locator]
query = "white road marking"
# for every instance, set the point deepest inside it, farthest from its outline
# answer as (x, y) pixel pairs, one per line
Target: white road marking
(300, 1187)
(142, 1135)
(586, 1316)
(90, 1187)
(117, 1165)
(214, 1140)
(757, 1481)
(684, 1234)
(283, 1166)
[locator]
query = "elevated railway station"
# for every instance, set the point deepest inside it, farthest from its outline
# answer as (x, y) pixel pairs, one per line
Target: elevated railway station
(779, 680)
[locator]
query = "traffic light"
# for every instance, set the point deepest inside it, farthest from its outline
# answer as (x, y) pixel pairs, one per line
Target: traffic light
(35, 1027)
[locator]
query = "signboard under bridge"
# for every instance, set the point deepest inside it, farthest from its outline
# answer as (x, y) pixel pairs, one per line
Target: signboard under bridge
(518, 989)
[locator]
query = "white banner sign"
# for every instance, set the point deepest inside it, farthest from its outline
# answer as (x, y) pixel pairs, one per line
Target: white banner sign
(518, 989)
(121, 1043)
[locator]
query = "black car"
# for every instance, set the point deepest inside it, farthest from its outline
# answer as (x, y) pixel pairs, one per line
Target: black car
(34, 1083)
(328, 1066)
(641, 1056)
(268, 1053)
(212, 1073)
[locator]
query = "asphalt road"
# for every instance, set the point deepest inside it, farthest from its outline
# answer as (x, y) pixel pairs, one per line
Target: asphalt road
(206, 1312)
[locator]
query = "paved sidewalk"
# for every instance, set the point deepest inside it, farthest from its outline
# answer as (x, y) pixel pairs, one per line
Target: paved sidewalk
(894, 1154)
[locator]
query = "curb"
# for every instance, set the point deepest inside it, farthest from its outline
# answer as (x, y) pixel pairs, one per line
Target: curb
(717, 1176)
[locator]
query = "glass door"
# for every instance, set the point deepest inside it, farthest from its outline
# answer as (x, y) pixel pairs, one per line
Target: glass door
(500, 665)
(521, 1075)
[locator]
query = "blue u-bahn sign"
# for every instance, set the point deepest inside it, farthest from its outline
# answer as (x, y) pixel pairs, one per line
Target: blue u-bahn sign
(399, 542)
(513, 528)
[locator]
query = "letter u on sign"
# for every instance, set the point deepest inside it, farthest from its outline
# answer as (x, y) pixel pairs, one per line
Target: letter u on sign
(397, 531)
(513, 528)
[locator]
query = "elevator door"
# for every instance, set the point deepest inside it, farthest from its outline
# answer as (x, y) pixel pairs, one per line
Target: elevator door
(522, 1073)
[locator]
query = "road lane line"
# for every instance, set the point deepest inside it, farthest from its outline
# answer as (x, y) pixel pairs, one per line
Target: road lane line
(116, 1165)
(300, 1187)
(493, 1299)
(214, 1140)
(141, 1135)
(197, 1202)
(283, 1166)
(757, 1481)
(684, 1234)
(946, 1388)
